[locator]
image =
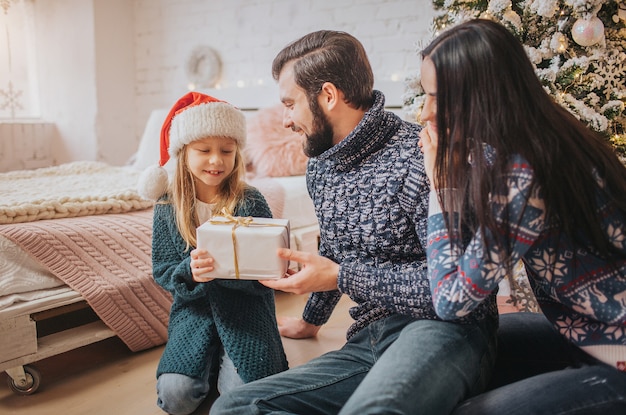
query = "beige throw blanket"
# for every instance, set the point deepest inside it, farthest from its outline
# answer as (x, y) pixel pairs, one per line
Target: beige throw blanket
(72, 189)
(107, 259)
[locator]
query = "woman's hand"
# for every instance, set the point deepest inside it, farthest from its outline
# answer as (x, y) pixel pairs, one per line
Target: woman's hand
(201, 263)
(428, 145)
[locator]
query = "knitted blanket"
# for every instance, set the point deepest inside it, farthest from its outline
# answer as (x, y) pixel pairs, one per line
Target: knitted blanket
(72, 189)
(107, 259)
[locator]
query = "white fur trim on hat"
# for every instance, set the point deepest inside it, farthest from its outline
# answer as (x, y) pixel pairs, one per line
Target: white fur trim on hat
(204, 120)
(153, 182)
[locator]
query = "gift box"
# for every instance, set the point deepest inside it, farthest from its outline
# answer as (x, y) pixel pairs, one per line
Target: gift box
(245, 247)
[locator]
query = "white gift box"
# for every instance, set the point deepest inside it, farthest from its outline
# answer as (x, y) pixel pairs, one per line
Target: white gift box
(245, 248)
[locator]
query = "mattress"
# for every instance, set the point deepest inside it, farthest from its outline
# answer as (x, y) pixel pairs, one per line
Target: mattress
(22, 278)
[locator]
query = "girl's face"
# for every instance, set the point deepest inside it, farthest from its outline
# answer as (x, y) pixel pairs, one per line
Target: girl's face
(429, 85)
(210, 160)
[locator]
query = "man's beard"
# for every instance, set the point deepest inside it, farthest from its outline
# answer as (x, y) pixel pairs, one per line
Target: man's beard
(321, 139)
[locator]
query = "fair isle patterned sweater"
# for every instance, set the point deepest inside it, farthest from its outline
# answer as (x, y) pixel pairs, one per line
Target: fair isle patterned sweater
(582, 295)
(240, 315)
(370, 193)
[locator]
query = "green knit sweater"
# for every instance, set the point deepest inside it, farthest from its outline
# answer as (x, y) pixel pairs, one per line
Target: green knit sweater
(238, 314)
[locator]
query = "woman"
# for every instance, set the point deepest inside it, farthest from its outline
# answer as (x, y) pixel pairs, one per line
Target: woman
(515, 176)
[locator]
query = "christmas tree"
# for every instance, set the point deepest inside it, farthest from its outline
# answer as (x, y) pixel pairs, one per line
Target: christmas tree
(577, 47)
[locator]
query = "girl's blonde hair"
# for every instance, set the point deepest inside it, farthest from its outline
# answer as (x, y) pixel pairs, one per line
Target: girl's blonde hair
(183, 194)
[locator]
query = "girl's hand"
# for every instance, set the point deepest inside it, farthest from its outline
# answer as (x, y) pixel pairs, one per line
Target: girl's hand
(201, 263)
(428, 145)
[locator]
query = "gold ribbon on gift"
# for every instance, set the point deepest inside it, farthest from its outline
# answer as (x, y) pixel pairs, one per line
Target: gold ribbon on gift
(237, 221)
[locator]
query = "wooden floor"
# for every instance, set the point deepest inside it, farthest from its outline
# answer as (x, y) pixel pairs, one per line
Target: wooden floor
(106, 378)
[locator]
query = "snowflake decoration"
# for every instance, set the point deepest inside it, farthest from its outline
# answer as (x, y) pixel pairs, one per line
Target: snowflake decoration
(616, 333)
(5, 4)
(11, 100)
(573, 329)
(616, 236)
(612, 70)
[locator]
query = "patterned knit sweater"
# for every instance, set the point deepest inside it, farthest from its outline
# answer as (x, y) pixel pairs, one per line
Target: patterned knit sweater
(583, 295)
(238, 314)
(370, 193)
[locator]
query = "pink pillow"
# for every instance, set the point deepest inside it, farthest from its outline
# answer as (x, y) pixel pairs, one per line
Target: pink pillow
(273, 150)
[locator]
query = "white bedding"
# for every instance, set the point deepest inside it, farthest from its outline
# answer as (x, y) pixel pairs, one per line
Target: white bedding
(73, 189)
(23, 278)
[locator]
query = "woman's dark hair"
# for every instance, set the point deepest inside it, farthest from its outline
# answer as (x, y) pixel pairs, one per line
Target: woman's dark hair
(329, 56)
(488, 96)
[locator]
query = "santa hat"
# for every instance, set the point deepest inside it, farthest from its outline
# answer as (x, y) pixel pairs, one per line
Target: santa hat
(193, 117)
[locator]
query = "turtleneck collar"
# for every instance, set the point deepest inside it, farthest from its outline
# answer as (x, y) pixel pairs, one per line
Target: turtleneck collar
(374, 130)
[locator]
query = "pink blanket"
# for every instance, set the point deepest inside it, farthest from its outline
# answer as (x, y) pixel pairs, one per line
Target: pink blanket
(107, 259)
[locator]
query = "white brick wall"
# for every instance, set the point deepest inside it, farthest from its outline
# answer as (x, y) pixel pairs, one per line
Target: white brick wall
(248, 34)
(104, 65)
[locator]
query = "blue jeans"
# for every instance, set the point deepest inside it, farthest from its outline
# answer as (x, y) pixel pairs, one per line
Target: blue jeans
(539, 372)
(180, 395)
(397, 365)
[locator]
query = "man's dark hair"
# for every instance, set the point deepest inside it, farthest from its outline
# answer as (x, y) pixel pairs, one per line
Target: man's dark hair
(329, 56)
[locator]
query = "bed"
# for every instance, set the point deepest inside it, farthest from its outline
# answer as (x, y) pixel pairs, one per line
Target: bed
(75, 249)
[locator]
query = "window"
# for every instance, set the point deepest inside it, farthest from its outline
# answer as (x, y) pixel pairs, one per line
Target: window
(19, 93)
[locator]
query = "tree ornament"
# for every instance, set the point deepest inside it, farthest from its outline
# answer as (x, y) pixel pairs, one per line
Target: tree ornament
(587, 32)
(562, 23)
(621, 11)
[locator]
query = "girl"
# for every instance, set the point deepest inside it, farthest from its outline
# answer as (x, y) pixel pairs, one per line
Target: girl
(220, 329)
(516, 176)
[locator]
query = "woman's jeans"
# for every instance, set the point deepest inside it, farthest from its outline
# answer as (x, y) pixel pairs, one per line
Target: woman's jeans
(538, 372)
(180, 395)
(397, 365)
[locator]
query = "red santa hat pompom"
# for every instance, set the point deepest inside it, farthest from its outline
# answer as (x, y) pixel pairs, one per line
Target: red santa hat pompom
(193, 117)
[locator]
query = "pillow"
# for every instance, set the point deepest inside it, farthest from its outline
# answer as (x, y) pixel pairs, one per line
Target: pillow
(148, 153)
(273, 150)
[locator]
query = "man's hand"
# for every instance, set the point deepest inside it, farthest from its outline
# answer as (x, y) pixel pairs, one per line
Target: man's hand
(317, 274)
(296, 328)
